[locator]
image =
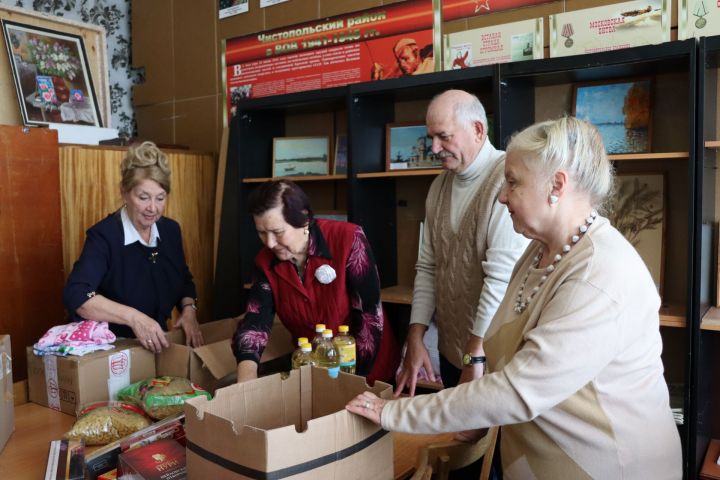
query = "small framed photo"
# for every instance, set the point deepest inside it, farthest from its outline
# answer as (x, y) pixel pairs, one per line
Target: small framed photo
(300, 156)
(341, 154)
(407, 146)
(637, 210)
(52, 76)
(621, 110)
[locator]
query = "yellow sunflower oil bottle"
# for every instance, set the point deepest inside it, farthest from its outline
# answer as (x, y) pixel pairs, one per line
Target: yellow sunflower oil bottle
(326, 355)
(345, 344)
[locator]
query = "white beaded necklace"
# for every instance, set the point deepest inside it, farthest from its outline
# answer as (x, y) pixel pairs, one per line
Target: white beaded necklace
(520, 304)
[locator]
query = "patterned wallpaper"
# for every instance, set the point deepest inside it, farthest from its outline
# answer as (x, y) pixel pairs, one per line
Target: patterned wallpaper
(114, 15)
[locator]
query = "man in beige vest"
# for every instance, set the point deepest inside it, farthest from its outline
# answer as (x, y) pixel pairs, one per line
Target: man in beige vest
(469, 246)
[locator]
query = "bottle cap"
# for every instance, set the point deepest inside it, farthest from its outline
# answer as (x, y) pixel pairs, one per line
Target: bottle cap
(306, 347)
(343, 329)
(320, 327)
(327, 333)
(302, 340)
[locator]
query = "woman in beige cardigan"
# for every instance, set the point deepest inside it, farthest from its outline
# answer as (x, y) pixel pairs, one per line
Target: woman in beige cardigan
(574, 349)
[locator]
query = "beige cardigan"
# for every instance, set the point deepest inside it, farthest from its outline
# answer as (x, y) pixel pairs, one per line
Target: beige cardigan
(577, 378)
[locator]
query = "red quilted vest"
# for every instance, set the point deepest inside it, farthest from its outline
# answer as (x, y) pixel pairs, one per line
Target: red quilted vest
(302, 305)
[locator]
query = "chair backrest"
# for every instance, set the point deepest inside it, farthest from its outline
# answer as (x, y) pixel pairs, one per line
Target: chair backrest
(439, 459)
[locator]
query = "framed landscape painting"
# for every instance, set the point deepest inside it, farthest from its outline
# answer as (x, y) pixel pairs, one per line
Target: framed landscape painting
(637, 210)
(407, 146)
(300, 156)
(52, 76)
(621, 111)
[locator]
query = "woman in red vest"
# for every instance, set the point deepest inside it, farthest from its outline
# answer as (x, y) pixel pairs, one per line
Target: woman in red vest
(312, 271)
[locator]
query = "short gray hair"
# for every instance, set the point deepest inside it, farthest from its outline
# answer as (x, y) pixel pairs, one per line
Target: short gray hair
(570, 144)
(467, 111)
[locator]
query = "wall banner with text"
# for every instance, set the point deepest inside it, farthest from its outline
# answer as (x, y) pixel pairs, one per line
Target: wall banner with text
(509, 42)
(455, 9)
(378, 43)
(610, 27)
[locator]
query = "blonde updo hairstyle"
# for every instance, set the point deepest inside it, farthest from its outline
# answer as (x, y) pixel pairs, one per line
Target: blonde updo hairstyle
(569, 144)
(144, 162)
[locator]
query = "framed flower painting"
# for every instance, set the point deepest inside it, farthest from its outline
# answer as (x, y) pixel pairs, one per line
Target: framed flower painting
(52, 76)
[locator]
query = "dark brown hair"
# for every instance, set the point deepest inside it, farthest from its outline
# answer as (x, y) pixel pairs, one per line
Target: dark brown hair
(295, 203)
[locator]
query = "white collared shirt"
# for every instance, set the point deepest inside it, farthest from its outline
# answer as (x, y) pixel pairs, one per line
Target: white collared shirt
(131, 234)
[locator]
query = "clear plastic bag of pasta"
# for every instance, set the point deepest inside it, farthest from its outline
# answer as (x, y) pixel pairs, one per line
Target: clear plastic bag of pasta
(163, 396)
(105, 422)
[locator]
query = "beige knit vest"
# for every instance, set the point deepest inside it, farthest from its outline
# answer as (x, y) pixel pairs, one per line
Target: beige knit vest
(458, 260)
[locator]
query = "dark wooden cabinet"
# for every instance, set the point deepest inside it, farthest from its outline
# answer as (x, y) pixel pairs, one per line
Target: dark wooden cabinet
(31, 254)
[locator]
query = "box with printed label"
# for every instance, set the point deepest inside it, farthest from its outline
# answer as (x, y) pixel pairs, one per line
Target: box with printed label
(213, 365)
(7, 408)
(295, 427)
(67, 383)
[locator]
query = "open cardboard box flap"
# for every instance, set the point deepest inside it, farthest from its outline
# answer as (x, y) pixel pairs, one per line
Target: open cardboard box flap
(297, 424)
(216, 355)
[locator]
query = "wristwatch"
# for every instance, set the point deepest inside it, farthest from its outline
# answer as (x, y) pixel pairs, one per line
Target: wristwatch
(470, 360)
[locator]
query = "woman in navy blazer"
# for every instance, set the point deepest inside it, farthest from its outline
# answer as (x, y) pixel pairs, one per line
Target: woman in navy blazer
(132, 269)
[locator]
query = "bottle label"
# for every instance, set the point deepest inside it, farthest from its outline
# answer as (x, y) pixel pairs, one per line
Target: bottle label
(347, 355)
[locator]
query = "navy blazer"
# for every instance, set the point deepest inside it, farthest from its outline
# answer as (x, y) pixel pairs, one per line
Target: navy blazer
(149, 279)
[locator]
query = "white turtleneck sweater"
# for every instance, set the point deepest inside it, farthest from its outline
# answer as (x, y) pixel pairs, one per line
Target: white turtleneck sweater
(503, 249)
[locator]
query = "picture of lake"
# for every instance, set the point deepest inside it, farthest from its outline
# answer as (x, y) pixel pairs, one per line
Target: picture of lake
(521, 46)
(300, 156)
(620, 111)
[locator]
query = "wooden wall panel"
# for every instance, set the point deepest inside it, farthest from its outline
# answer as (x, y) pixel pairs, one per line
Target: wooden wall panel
(90, 185)
(31, 265)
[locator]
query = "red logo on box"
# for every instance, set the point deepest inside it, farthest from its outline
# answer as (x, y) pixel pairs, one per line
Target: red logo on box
(52, 388)
(119, 363)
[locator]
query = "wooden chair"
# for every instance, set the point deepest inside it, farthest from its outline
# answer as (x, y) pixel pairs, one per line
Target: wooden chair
(437, 460)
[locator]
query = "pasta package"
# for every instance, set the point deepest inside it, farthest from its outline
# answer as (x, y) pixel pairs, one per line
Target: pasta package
(163, 396)
(105, 422)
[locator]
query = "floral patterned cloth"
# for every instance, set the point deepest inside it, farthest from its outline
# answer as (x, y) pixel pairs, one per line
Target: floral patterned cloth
(87, 332)
(362, 285)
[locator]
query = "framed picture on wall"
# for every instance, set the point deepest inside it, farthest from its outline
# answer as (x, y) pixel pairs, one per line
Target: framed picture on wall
(637, 210)
(300, 156)
(341, 154)
(621, 110)
(407, 146)
(52, 76)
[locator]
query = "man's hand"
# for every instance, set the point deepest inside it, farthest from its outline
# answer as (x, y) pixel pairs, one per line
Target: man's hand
(474, 347)
(416, 356)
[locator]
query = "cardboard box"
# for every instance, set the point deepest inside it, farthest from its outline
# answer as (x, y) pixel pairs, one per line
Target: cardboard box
(68, 383)
(274, 427)
(7, 407)
(163, 460)
(213, 365)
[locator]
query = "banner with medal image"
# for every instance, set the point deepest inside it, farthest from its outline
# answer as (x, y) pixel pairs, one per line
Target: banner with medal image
(610, 27)
(698, 18)
(509, 42)
(379, 43)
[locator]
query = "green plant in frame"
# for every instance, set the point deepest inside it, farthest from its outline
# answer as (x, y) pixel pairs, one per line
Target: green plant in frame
(53, 58)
